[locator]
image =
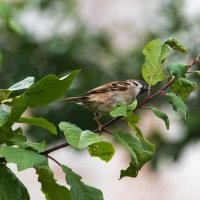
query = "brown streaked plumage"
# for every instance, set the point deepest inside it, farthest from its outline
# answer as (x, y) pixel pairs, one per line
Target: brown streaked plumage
(103, 99)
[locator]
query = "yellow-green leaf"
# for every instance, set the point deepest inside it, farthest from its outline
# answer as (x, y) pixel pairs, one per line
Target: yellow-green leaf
(155, 53)
(104, 150)
(78, 138)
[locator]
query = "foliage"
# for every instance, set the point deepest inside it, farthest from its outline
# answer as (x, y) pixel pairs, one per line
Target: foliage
(16, 148)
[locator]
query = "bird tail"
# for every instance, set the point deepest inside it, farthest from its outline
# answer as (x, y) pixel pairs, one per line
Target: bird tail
(73, 99)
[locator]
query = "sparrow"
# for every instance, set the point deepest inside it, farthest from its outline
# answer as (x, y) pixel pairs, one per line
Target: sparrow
(105, 98)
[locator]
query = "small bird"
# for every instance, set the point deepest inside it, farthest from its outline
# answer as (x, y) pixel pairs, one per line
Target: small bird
(103, 99)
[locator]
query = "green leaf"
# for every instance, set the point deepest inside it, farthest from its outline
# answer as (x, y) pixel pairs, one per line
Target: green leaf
(21, 142)
(177, 70)
(39, 122)
(15, 27)
(183, 87)
(197, 72)
(49, 89)
(5, 10)
(3, 116)
(22, 157)
(6, 133)
(155, 53)
(141, 152)
(50, 188)
(79, 190)
(177, 104)
(4, 94)
(19, 105)
(176, 45)
(162, 116)
(78, 138)
(11, 187)
(132, 106)
(119, 111)
(123, 109)
(103, 150)
(24, 84)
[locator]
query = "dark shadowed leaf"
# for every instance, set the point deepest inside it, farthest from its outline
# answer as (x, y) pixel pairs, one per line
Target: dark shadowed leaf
(11, 188)
(79, 190)
(49, 187)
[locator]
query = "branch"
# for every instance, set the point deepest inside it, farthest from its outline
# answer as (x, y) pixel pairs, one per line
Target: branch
(109, 123)
(146, 100)
(60, 146)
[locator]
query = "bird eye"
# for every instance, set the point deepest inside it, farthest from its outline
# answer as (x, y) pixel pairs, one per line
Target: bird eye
(135, 83)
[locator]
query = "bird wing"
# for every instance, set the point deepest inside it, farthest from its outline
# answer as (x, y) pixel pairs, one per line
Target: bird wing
(113, 86)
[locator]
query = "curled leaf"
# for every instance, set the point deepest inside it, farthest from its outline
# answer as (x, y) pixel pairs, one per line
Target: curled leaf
(176, 45)
(162, 116)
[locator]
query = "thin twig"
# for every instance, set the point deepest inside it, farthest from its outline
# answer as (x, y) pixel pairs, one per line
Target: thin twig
(60, 146)
(54, 160)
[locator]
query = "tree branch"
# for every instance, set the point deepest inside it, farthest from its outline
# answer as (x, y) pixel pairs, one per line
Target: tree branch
(60, 146)
(109, 123)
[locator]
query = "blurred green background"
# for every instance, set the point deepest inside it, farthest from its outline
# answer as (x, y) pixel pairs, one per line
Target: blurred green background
(42, 37)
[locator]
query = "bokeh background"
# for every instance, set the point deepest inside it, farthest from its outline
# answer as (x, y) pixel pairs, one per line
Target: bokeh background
(105, 39)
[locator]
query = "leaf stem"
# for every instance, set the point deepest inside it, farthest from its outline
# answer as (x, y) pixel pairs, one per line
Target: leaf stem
(149, 90)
